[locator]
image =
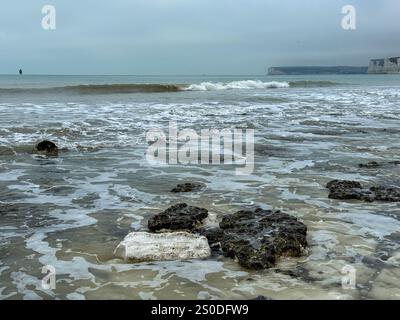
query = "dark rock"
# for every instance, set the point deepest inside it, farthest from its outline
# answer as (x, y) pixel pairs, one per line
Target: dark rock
(345, 184)
(353, 190)
(351, 194)
(214, 237)
(369, 165)
(178, 217)
(258, 238)
(374, 164)
(47, 147)
(188, 187)
(348, 190)
(261, 298)
(373, 262)
(383, 193)
(298, 273)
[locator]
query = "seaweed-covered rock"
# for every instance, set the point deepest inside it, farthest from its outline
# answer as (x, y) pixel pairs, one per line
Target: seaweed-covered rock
(353, 190)
(348, 190)
(188, 187)
(178, 217)
(214, 237)
(258, 238)
(47, 147)
(383, 193)
(343, 184)
(261, 298)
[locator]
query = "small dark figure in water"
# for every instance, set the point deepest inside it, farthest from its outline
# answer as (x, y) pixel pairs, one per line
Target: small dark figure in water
(20, 72)
(47, 147)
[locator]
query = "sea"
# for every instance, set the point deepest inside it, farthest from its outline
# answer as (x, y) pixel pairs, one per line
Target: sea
(62, 217)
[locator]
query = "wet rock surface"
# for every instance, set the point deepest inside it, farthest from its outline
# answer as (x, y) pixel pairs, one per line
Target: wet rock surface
(259, 237)
(188, 187)
(371, 164)
(214, 237)
(383, 193)
(297, 273)
(343, 184)
(261, 298)
(46, 147)
(375, 164)
(353, 190)
(178, 217)
(144, 246)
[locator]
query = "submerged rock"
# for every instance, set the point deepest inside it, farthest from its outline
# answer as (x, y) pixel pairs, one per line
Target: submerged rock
(46, 147)
(297, 273)
(258, 238)
(374, 164)
(7, 151)
(353, 190)
(347, 190)
(188, 187)
(369, 165)
(383, 193)
(144, 246)
(345, 184)
(178, 217)
(261, 298)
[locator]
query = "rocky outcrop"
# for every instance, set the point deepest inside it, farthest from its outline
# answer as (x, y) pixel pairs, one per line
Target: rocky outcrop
(353, 190)
(144, 246)
(385, 65)
(47, 148)
(259, 237)
(188, 187)
(178, 217)
(255, 238)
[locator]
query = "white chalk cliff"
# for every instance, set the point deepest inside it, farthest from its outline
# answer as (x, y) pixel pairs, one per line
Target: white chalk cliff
(387, 65)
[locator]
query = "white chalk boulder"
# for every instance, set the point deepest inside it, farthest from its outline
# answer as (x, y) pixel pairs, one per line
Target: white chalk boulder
(145, 246)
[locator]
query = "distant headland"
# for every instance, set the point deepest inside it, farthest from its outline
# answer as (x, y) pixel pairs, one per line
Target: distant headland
(376, 66)
(316, 70)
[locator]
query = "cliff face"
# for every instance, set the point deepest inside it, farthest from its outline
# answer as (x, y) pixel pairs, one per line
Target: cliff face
(387, 65)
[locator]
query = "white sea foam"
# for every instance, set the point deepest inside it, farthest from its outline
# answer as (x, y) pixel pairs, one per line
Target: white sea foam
(244, 84)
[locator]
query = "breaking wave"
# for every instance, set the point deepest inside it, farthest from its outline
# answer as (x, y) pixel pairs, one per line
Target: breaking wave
(257, 84)
(244, 84)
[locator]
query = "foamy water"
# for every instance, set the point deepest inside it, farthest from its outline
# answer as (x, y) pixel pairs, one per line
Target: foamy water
(72, 211)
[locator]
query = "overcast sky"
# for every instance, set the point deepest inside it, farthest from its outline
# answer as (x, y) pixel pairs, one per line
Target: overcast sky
(192, 36)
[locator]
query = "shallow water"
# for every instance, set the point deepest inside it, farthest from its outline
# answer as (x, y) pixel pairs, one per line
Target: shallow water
(71, 211)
